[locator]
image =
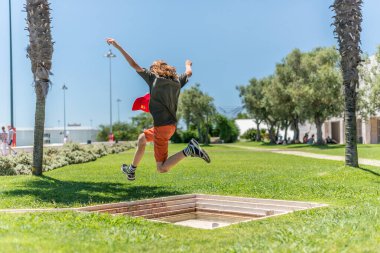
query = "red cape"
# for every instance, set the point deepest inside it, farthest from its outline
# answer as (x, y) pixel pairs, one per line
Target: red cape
(141, 103)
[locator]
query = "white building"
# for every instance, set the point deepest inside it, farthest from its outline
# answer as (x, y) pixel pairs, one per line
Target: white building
(25, 136)
(368, 130)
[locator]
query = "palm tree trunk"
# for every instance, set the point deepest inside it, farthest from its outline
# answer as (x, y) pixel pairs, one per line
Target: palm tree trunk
(39, 126)
(40, 51)
(347, 24)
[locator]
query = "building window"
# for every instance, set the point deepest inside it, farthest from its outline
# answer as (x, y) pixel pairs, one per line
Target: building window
(46, 138)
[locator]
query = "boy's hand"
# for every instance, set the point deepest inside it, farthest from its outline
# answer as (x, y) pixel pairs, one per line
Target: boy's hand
(111, 41)
(188, 71)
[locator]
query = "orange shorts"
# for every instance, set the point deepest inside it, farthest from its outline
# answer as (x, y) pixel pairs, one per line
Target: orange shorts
(160, 136)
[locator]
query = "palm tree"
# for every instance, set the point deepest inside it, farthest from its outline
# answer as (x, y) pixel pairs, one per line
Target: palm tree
(347, 24)
(40, 51)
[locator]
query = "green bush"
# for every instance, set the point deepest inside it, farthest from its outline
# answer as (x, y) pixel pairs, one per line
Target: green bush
(122, 132)
(228, 131)
(177, 137)
(250, 134)
(188, 135)
(7, 167)
(71, 153)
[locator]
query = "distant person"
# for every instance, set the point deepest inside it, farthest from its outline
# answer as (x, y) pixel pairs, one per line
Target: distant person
(4, 140)
(164, 88)
(305, 138)
(330, 140)
(11, 133)
(311, 140)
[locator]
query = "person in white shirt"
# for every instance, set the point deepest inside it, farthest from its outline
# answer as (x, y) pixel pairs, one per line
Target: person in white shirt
(4, 139)
(11, 133)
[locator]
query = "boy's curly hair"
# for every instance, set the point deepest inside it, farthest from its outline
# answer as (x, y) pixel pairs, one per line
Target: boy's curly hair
(162, 69)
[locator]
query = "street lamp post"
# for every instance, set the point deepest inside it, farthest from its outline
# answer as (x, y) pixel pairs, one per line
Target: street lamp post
(64, 88)
(118, 109)
(110, 55)
(11, 60)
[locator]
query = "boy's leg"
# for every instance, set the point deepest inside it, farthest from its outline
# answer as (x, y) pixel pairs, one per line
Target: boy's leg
(141, 144)
(161, 137)
(163, 167)
(193, 149)
(129, 170)
(161, 142)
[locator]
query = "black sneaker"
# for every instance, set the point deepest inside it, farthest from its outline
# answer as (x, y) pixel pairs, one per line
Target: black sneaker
(197, 151)
(127, 171)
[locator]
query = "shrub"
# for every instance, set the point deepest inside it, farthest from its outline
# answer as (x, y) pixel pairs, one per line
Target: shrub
(188, 135)
(7, 167)
(71, 153)
(250, 134)
(228, 131)
(177, 137)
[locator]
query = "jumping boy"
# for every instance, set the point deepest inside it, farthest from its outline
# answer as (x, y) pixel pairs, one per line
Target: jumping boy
(164, 87)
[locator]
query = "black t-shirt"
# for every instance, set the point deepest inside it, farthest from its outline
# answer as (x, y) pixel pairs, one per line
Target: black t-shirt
(164, 95)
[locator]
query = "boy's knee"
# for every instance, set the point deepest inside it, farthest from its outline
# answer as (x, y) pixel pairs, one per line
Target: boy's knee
(141, 141)
(161, 168)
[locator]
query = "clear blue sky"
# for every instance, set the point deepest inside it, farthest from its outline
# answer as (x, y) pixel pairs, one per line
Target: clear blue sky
(228, 41)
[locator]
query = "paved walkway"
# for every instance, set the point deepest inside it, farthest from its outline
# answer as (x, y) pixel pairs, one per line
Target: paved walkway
(37, 210)
(370, 162)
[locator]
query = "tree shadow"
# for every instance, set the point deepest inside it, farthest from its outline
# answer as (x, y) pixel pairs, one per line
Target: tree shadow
(370, 171)
(67, 193)
(301, 146)
(323, 147)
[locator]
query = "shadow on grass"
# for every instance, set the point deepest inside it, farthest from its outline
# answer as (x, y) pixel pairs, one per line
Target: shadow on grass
(370, 171)
(51, 190)
(324, 147)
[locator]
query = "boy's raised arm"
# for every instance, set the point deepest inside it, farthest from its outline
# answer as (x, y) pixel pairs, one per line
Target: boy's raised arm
(129, 59)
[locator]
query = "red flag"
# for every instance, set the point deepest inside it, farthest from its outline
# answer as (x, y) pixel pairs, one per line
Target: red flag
(141, 103)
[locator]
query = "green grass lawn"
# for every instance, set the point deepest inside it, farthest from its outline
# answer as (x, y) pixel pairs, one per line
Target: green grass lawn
(369, 151)
(350, 224)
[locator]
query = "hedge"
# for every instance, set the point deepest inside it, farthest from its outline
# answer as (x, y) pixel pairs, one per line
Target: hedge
(54, 158)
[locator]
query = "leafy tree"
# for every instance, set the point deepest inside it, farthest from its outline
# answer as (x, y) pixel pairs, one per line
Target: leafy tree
(142, 121)
(252, 97)
(242, 115)
(280, 102)
(369, 92)
(40, 52)
(272, 115)
(304, 86)
(348, 19)
(288, 93)
(122, 131)
(322, 93)
(197, 109)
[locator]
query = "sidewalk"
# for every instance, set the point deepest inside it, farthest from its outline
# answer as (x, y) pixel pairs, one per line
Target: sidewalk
(370, 162)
